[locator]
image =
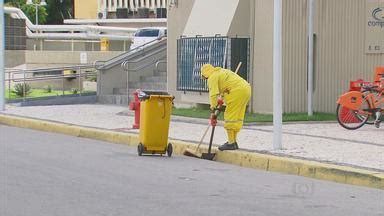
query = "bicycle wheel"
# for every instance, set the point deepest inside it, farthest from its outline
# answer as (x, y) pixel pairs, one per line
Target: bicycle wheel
(353, 119)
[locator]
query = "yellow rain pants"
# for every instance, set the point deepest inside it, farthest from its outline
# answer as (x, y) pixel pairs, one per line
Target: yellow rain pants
(236, 93)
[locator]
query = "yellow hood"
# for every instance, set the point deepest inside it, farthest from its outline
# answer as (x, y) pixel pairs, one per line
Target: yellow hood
(207, 70)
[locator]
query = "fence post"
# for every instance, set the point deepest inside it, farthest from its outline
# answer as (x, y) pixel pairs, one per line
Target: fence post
(24, 85)
(79, 75)
(2, 75)
(9, 85)
(62, 82)
(72, 44)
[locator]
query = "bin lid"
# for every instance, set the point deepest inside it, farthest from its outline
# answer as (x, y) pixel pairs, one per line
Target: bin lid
(152, 92)
(146, 94)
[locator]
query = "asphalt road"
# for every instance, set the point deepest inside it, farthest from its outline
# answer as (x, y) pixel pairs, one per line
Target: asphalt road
(47, 174)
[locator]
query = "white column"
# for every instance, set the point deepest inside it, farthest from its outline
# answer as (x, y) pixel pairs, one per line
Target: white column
(114, 5)
(100, 5)
(158, 3)
(109, 5)
(310, 57)
(163, 4)
(2, 71)
(147, 3)
(277, 75)
(136, 4)
(126, 3)
(131, 5)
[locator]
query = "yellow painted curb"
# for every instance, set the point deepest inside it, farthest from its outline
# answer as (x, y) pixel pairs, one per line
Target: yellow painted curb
(312, 169)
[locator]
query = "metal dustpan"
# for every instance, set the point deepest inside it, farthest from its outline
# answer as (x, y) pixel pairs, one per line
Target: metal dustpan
(209, 155)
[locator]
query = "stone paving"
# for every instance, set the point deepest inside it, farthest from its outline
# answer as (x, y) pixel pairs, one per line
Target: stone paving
(326, 142)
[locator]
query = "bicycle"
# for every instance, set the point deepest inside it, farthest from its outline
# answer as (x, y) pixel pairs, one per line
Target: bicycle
(357, 108)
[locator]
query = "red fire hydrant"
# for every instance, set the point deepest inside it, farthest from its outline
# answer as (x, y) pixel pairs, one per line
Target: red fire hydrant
(135, 105)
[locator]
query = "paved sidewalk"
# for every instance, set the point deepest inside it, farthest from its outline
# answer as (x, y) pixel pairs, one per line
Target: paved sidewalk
(325, 142)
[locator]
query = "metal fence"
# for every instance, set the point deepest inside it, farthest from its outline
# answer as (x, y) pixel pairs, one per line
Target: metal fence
(61, 80)
(193, 52)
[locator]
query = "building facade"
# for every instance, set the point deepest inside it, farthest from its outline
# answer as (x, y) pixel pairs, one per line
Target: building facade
(348, 44)
(85, 9)
(102, 9)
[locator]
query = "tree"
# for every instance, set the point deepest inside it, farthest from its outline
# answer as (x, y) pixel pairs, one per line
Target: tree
(58, 10)
(54, 13)
(29, 10)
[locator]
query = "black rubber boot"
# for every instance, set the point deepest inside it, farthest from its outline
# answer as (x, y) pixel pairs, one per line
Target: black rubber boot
(227, 146)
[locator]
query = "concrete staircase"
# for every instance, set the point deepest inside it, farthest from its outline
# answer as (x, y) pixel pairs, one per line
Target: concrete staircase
(145, 69)
(157, 82)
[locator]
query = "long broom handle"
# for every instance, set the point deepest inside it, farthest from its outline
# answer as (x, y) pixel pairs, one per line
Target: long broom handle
(202, 138)
(238, 67)
(211, 140)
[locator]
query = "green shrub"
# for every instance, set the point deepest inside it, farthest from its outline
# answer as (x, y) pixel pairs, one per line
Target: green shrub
(21, 88)
(48, 89)
(74, 90)
(92, 78)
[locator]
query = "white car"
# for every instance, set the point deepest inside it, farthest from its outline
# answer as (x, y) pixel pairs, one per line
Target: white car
(145, 35)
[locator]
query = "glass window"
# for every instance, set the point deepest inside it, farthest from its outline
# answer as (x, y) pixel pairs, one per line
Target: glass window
(147, 33)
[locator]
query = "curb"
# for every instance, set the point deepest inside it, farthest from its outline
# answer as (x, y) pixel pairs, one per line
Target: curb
(311, 169)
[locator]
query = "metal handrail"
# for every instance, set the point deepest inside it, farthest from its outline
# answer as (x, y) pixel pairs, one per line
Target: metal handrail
(159, 62)
(51, 77)
(138, 60)
(20, 71)
(140, 48)
(124, 65)
(12, 72)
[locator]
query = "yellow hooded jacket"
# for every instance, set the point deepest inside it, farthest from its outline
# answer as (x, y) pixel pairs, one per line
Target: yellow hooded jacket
(235, 90)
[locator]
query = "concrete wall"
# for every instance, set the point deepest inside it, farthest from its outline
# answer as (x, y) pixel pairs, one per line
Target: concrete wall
(62, 57)
(86, 9)
(13, 58)
(262, 56)
(177, 19)
(113, 78)
(340, 50)
(66, 84)
(75, 45)
(240, 22)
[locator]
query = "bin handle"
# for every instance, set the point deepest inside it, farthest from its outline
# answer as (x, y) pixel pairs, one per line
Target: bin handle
(163, 99)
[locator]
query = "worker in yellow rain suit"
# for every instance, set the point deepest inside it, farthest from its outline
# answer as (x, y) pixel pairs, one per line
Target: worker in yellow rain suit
(235, 92)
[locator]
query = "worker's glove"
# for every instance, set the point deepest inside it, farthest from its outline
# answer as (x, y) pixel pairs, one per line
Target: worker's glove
(220, 106)
(213, 119)
(220, 102)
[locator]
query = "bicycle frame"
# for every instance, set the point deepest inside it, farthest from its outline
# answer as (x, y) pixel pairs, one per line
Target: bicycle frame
(375, 100)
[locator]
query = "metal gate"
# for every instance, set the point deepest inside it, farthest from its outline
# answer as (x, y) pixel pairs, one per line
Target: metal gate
(193, 52)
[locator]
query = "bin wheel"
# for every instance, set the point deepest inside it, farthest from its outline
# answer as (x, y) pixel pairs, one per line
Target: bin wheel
(140, 149)
(169, 150)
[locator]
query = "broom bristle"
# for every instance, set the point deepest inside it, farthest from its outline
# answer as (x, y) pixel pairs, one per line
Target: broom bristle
(191, 153)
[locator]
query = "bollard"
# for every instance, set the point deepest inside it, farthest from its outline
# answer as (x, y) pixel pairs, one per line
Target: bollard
(135, 105)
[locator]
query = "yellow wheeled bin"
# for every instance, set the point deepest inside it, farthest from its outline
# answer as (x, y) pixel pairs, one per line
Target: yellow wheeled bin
(155, 115)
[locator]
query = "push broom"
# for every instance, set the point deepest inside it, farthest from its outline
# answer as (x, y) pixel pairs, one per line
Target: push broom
(209, 155)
